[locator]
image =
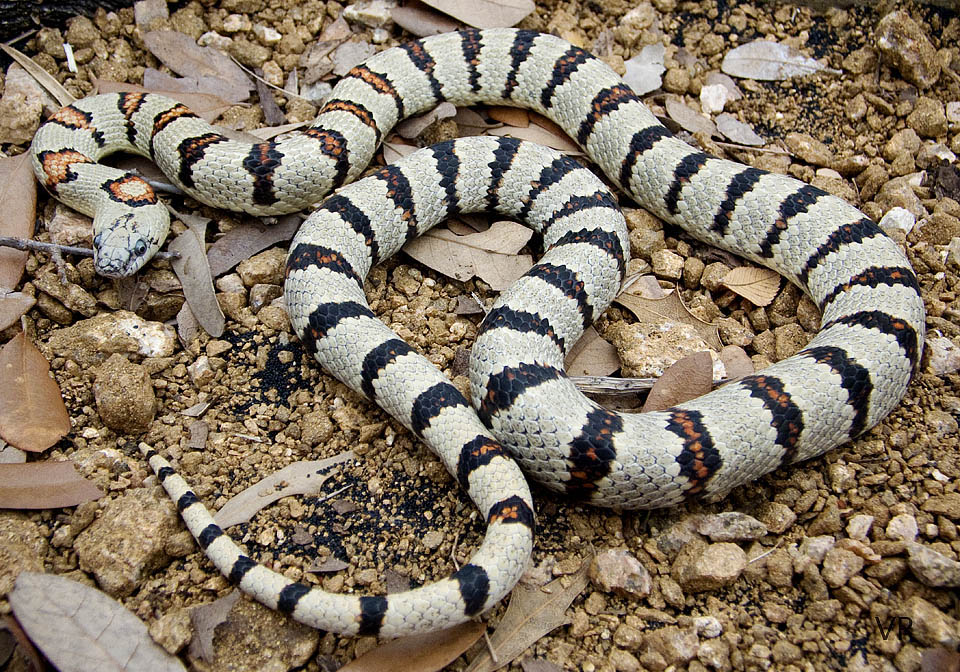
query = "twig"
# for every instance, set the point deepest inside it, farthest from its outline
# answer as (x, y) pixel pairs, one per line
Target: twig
(54, 248)
(490, 649)
(748, 148)
(334, 493)
(611, 385)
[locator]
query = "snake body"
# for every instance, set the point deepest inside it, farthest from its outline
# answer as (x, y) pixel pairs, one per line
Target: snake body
(851, 375)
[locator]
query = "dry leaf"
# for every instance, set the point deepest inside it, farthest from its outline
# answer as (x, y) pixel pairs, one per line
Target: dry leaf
(155, 80)
(533, 612)
(762, 59)
(685, 379)
(244, 241)
(184, 56)
(592, 356)
(539, 665)
(689, 119)
(643, 71)
(394, 151)
(12, 306)
(331, 564)
(756, 284)
(11, 455)
(18, 200)
(299, 478)
(669, 309)
(485, 13)
(939, 659)
(470, 122)
(205, 620)
(511, 116)
(206, 106)
(421, 653)
(422, 21)
(737, 131)
(541, 136)
(193, 271)
(349, 55)
(414, 126)
(44, 485)
(490, 255)
(43, 78)
(32, 414)
(80, 629)
(267, 132)
(644, 285)
(736, 361)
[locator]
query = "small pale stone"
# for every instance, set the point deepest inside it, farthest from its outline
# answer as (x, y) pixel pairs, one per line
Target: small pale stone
(839, 566)
(266, 35)
(678, 646)
(667, 264)
(617, 570)
(124, 395)
(730, 526)
(647, 350)
(816, 548)
(809, 149)
(904, 44)
(89, 342)
(713, 98)
(929, 118)
(944, 505)
(943, 355)
(708, 626)
(902, 527)
(858, 527)
(899, 219)
(932, 568)
(627, 637)
(200, 371)
(776, 516)
(931, 626)
(432, 539)
(173, 630)
(716, 566)
(264, 268)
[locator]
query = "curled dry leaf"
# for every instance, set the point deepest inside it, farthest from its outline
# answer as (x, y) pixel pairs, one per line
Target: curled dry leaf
(765, 60)
(689, 119)
(756, 284)
(540, 135)
(484, 13)
(394, 151)
(422, 21)
(205, 620)
(18, 199)
(299, 478)
(193, 271)
(32, 414)
(685, 379)
(489, 255)
(421, 653)
(155, 80)
(532, 613)
(414, 126)
(184, 56)
(206, 106)
(736, 361)
(737, 131)
(511, 116)
(44, 485)
(592, 356)
(245, 240)
(43, 78)
(80, 629)
(471, 123)
(669, 309)
(12, 306)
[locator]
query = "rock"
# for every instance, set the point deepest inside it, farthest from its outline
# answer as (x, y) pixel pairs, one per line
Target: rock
(124, 395)
(667, 264)
(929, 118)
(930, 625)
(69, 227)
(944, 505)
(617, 570)
(858, 527)
(708, 626)
(898, 192)
(201, 372)
(678, 646)
(627, 637)
(373, 13)
(262, 294)
(898, 219)
(903, 44)
(809, 149)
(827, 521)
(701, 567)
(128, 540)
(22, 547)
(646, 350)
(932, 568)
(254, 638)
(264, 268)
(20, 107)
(903, 526)
(823, 611)
(942, 355)
(839, 566)
(715, 654)
(81, 32)
(816, 548)
(905, 141)
(90, 342)
(777, 517)
(173, 630)
(624, 661)
(942, 423)
(713, 98)
(933, 154)
(730, 526)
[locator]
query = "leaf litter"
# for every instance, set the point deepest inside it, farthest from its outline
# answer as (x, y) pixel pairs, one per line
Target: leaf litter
(44, 485)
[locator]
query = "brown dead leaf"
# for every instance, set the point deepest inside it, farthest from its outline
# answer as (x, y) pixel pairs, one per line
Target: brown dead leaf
(684, 380)
(396, 582)
(349, 55)
(511, 116)
(79, 628)
(736, 361)
(244, 241)
(184, 56)
(12, 306)
(206, 106)
(532, 613)
(155, 80)
(645, 286)
(421, 653)
(756, 284)
(394, 151)
(32, 414)
(541, 136)
(592, 356)
(267, 132)
(669, 309)
(414, 126)
(42, 77)
(299, 478)
(205, 620)
(470, 122)
(44, 485)
(330, 565)
(193, 271)
(420, 20)
(489, 255)
(18, 201)
(688, 118)
(485, 13)
(539, 665)
(18, 638)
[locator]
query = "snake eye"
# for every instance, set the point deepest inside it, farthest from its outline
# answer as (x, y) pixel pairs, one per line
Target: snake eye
(140, 248)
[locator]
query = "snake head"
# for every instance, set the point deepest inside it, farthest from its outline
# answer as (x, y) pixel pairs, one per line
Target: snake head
(120, 246)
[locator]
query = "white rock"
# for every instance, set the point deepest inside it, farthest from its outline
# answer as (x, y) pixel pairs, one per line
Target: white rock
(266, 34)
(943, 354)
(902, 527)
(236, 23)
(953, 112)
(713, 98)
(816, 548)
(898, 218)
(375, 13)
(858, 527)
(214, 39)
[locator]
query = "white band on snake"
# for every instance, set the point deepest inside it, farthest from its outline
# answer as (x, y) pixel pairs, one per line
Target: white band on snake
(853, 373)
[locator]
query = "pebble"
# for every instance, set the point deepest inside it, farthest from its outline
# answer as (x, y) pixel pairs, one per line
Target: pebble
(21, 107)
(22, 549)
(839, 565)
(903, 44)
(266, 267)
(810, 149)
(677, 646)
(618, 571)
(124, 395)
(730, 526)
(816, 548)
(929, 118)
(173, 630)
(858, 527)
(932, 568)
(777, 517)
(930, 625)
(898, 219)
(70, 294)
(128, 540)
(372, 13)
(715, 655)
(902, 527)
(201, 372)
(667, 264)
(718, 565)
(708, 626)
(627, 637)
(713, 98)
(943, 356)
(944, 505)
(646, 350)
(90, 342)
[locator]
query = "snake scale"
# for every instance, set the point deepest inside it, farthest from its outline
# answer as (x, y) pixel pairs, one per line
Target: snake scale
(851, 375)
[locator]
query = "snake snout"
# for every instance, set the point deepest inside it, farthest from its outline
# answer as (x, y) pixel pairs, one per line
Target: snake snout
(119, 250)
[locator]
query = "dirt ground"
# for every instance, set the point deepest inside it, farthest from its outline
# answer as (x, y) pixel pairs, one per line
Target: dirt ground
(821, 588)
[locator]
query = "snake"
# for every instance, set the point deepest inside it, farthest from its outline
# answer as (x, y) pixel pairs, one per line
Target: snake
(523, 413)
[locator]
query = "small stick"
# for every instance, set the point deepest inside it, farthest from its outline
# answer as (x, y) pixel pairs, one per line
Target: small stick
(748, 148)
(54, 248)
